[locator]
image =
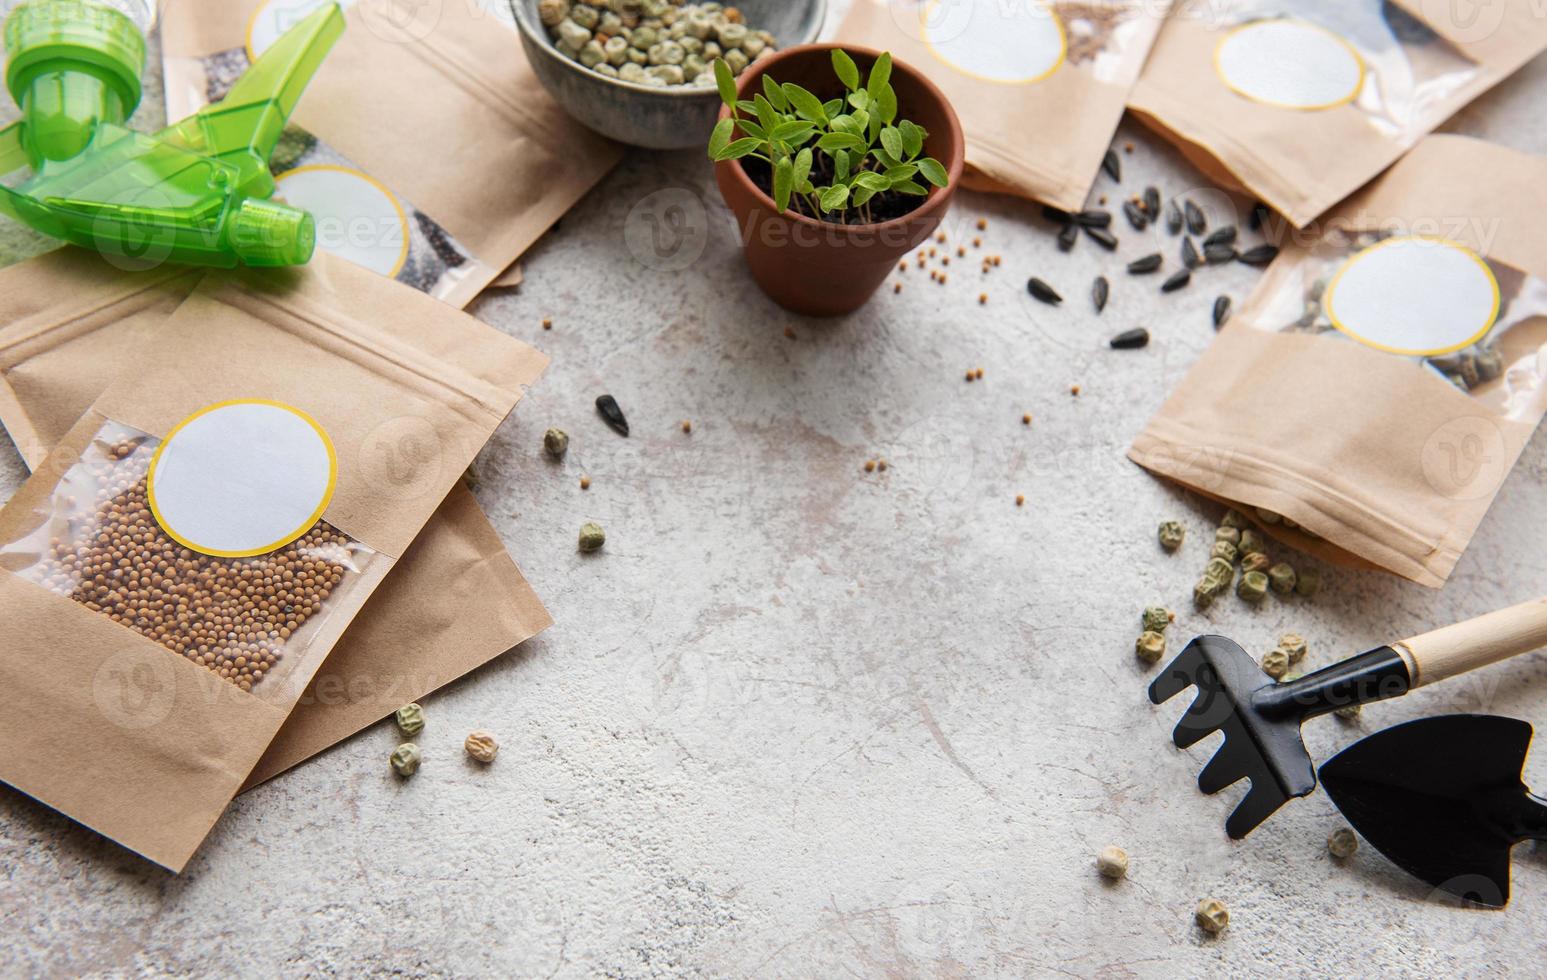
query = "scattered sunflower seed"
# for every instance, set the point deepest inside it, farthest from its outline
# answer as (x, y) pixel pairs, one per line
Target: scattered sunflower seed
(1152, 201)
(1131, 339)
(1099, 291)
(1136, 216)
(1212, 916)
(1190, 257)
(1102, 237)
(1259, 216)
(612, 414)
(1342, 843)
(1173, 218)
(1150, 647)
(1196, 222)
(1057, 215)
(1112, 165)
(1177, 281)
(1171, 535)
(1146, 265)
(1067, 236)
(1221, 311)
(1042, 291)
(1219, 253)
(1092, 218)
(1112, 863)
(1259, 255)
(1221, 236)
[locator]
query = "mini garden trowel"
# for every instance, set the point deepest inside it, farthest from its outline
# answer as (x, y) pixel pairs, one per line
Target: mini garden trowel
(1261, 719)
(1443, 799)
(196, 192)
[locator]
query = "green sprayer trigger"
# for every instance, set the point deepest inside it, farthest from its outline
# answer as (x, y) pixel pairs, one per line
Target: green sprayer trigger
(198, 191)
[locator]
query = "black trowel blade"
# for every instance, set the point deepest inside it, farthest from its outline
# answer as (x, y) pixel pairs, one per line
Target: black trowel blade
(1442, 798)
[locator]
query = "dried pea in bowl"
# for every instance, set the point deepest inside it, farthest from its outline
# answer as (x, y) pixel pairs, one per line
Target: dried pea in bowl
(667, 118)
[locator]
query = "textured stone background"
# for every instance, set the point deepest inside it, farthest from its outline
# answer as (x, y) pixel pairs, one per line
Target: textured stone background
(796, 720)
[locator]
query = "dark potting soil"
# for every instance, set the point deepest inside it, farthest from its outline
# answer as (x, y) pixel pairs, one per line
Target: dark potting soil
(885, 206)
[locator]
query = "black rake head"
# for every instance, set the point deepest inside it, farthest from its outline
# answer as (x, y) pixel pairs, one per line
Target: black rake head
(1261, 728)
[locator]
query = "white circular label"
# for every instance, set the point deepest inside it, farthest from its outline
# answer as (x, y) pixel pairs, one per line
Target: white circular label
(357, 218)
(242, 478)
(1000, 42)
(1420, 296)
(275, 17)
(1290, 64)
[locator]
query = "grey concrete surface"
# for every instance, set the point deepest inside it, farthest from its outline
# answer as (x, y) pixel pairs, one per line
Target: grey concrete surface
(796, 720)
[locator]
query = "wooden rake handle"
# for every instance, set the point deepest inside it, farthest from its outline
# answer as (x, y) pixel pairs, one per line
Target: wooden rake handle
(1452, 650)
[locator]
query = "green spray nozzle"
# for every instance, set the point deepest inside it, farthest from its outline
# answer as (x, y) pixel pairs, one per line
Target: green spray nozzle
(198, 191)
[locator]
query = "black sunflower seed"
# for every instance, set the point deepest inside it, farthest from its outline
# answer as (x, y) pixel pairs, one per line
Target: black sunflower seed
(612, 414)
(1259, 216)
(1177, 281)
(1190, 257)
(1099, 290)
(1042, 291)
(1221, 311)
(1173, 218)
(1092, 218)
(1136, 216)
(1112, 165)
(1104, 238)
(1056, 215)
(1196, 222)
(1221, 236)
(1152, 201)
(1130, 339)
(1148, 264)
(1260, 255)
(1219, 253)
(1067, 236)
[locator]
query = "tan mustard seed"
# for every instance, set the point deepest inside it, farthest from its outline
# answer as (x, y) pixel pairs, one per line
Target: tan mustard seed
(982, 224)
(902, 266)
(687, 425)
(789, 332)
(870, 466)
(945, 260)
(979, 374)
(977, 242)
(1026, 419)
(1020, 500)
(1074, 390)
(961, 251)
(896, 287)
(982, 299)
(547, 323)
(940, 238)
(881, 465)
(942, 279)
(585, 483)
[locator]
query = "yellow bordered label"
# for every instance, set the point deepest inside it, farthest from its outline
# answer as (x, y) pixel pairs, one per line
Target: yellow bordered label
(402, 216)
(1046, 11)
(1240, 31)
(290, 536)
(1472, 336)
(300, 8)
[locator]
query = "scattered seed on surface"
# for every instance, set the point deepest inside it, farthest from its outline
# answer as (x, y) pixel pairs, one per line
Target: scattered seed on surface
(1219, 253)
(1127, 147)
(1074, 390)
(1267, 516)
(996, 260)
(1308, 583)
(940, 238)
(1173, 218)
(1294, 645)
(547, 323)
(881, 465)
(592, 537)
(1112, 165)
(1233, 518)
(1226, 532)
(1282, 578)
(687, 425)
(969, 376)
(1043, 292)
(405, 759)
(902, 266)
(1067, 236)
(1259, 255)
(789, 332)
(1100, 289)
(1150, 646)
(607, 406)
(410, 719)
(585, 483)
(1349, 712)
(1171, 534)
(1135, 215)
(556, 443)
(870, 466)
(1212, 916)
(1020, 500)
(945, 260)
(978, 374)
(1130, 339)
(1102, 237)
(1342, 843)
(897, 287)
(942, 279)
(961, 251)
(1196, 222)
(1026, 419)
(1221, 236)
(1092, 218)
(1275, 663)
(1112, 862)
(1253, 586)
(1156, 618)
(1221, 311)
(1152, 201)
(977, 242)
(481, 745)
(1225, 550)
(982, 224)
(1258, 217)
(1145, 265)
(1190, 257)
(1177, 281)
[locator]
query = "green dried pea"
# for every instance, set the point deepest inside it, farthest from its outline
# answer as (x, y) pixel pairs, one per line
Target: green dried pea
(1156, 618)
(405, 759)
(1342, 843)
(1282, 578)
(1112, 862)
(1257, 561)
(1219, 570)
(1294, 645)
(1308, 583)
(1275, 663)
(1171, 535)
(1150, 646)
(1252, 543)
(1253, 586)
(556, 443)
(410, 719)
(1212, 916)
(1233, 518)
(1225, 550)
(592, 537)
(1349, 712)
(1227, 533)
(1204, 592)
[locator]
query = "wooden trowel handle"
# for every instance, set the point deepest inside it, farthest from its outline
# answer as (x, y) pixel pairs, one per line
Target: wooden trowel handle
(1452, 650)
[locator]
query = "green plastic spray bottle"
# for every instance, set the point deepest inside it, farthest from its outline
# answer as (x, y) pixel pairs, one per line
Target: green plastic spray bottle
(198, 191)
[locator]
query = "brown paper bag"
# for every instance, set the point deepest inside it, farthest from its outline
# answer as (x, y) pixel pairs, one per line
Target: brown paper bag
(73, 323)
(425, 146)
(1381, 381)
(1039, 86)
(161, 625)
(1302, 102)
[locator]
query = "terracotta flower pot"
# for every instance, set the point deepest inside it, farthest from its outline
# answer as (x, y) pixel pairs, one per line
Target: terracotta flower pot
(817, 267)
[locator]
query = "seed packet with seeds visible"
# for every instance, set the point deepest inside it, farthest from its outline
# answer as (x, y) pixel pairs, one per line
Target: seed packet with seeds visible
(1304, 101)
(1039, 85)
(73, 323)
(404, 99)
(1380, 382)
(176, 570)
